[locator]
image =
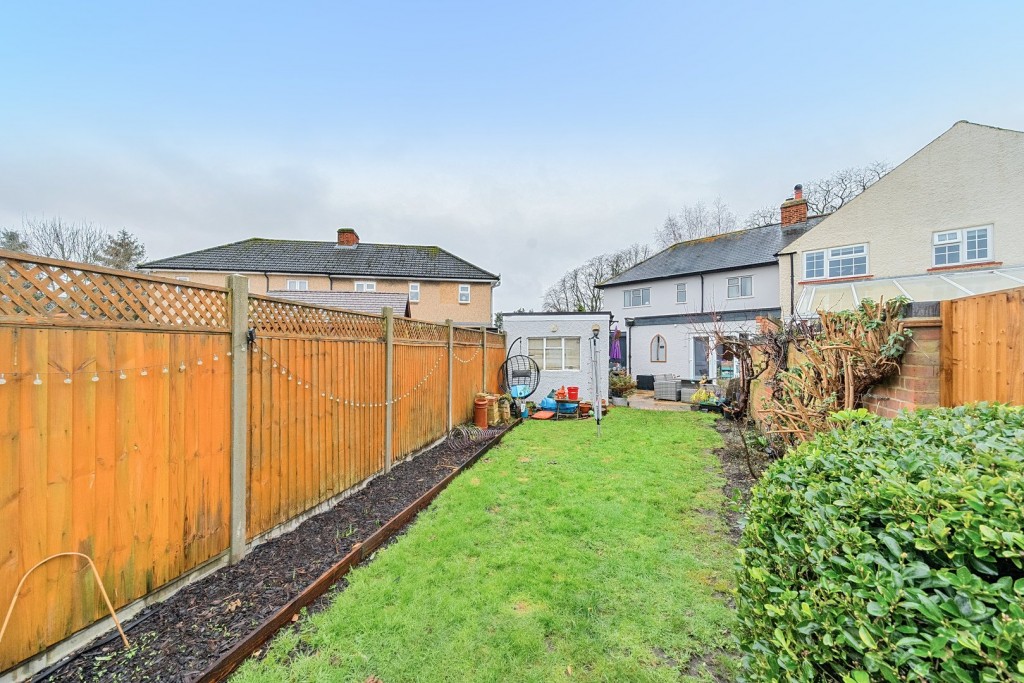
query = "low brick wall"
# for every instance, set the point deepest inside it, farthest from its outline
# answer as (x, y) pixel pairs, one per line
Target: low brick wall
(917, 385)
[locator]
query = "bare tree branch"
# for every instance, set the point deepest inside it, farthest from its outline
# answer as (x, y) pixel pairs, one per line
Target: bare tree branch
(696, 220)
(577, 289)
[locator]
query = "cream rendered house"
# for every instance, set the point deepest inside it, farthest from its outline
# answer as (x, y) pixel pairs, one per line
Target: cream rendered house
(437, 284)
(947, 222)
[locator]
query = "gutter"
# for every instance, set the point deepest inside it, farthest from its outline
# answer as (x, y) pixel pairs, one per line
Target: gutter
(701, 292)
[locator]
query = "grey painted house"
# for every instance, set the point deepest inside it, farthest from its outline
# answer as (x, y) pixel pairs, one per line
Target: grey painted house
(672, 303)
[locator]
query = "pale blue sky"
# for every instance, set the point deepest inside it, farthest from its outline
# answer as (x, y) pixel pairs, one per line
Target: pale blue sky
(522, 136)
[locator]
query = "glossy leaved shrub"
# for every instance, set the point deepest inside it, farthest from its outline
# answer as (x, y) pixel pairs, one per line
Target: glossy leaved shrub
(890, 550)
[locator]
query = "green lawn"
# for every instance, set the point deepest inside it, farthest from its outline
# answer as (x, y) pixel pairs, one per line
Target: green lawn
(559, 556)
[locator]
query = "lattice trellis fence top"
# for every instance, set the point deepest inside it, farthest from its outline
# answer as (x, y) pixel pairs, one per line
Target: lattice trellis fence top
(495, 340)
(462, 335)
(420, 331)
(57, 290)
(285, 318)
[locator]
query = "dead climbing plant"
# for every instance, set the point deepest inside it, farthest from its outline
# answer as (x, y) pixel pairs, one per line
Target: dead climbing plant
(847, 354)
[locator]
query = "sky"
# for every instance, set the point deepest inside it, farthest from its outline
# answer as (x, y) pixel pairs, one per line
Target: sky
(522, 136)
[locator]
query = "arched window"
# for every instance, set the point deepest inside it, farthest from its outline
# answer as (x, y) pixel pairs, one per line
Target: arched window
(658, 349)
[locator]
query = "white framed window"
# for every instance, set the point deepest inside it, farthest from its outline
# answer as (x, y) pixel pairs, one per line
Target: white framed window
(367, 286)
(825, 264)
(951, 247)
(681, 293)
(849, 261)
(740, 287)
(814, 265)
(659, 350)
(463, 294)
(641, 296)
(555, 353)
(414, 292)
(183, 278)
(298, 285)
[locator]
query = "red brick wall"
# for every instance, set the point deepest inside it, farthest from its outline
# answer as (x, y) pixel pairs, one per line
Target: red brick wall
(917, 385)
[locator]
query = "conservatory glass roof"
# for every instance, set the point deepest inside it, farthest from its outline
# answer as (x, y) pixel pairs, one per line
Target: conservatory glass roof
(843, 295)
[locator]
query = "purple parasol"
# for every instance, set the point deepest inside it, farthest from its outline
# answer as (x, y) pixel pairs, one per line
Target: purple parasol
(616, 351)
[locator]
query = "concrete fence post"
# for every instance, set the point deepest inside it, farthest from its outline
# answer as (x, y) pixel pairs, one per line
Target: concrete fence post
(451, 360)
(238, 304)
(389, 385)
(483, 350)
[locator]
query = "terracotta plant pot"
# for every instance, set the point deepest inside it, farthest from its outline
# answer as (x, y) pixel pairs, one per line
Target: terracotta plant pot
(585, 409)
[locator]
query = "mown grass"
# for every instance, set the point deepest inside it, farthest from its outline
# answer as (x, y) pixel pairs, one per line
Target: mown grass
(559, 556)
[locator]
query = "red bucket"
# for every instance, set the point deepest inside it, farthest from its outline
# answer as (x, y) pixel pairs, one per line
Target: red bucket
(574, 393)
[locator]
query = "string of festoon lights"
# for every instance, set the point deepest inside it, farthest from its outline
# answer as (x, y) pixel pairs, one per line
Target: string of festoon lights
(119, 373)
(468, 360)
(330, 394)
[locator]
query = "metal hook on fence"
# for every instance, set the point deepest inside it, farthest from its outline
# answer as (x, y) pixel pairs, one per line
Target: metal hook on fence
(99, 582)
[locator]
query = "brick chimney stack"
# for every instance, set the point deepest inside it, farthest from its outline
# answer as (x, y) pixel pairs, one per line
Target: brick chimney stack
(794, 209)
(347, 237)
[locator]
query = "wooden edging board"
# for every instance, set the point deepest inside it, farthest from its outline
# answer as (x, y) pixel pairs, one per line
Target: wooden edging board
(244, 648)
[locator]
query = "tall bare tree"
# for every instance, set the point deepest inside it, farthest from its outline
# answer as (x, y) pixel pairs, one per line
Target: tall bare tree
(75, 241)
(828, 194)
(693, 221)
(767, 215)
(577, 289)
(64, 240)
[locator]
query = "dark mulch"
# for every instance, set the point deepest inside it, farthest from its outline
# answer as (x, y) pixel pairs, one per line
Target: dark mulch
(178, 639)
(737, 463)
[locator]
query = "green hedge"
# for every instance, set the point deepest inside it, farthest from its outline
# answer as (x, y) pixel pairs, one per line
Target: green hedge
(890, 550)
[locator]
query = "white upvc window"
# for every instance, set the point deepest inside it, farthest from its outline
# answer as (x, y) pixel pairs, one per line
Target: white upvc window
(814, 265)
(659, 350)
(641, 296)
(951, 247)
(414, 292)
(681, 293)
(740, 287)
(555, 353)
(366, 286)
(298, 285)
(836, 262)
(463, 294)
(849, 261)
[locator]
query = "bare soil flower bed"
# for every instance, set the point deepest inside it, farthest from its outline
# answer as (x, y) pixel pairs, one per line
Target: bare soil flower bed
(178, 639)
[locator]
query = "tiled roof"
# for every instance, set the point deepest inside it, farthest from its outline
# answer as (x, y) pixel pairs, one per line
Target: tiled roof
(360, 302)
(739, 249)
(327, 258)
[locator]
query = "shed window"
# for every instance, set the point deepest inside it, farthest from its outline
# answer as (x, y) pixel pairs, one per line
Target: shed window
(555, 353)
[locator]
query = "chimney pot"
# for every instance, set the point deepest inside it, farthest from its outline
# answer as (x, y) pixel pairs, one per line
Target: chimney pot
(347, 237)
(798, 192)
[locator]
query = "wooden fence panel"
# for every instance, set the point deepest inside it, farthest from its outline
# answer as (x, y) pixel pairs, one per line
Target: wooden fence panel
(982, 351)
(115, 429)
(130, 469)
(316, 424)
